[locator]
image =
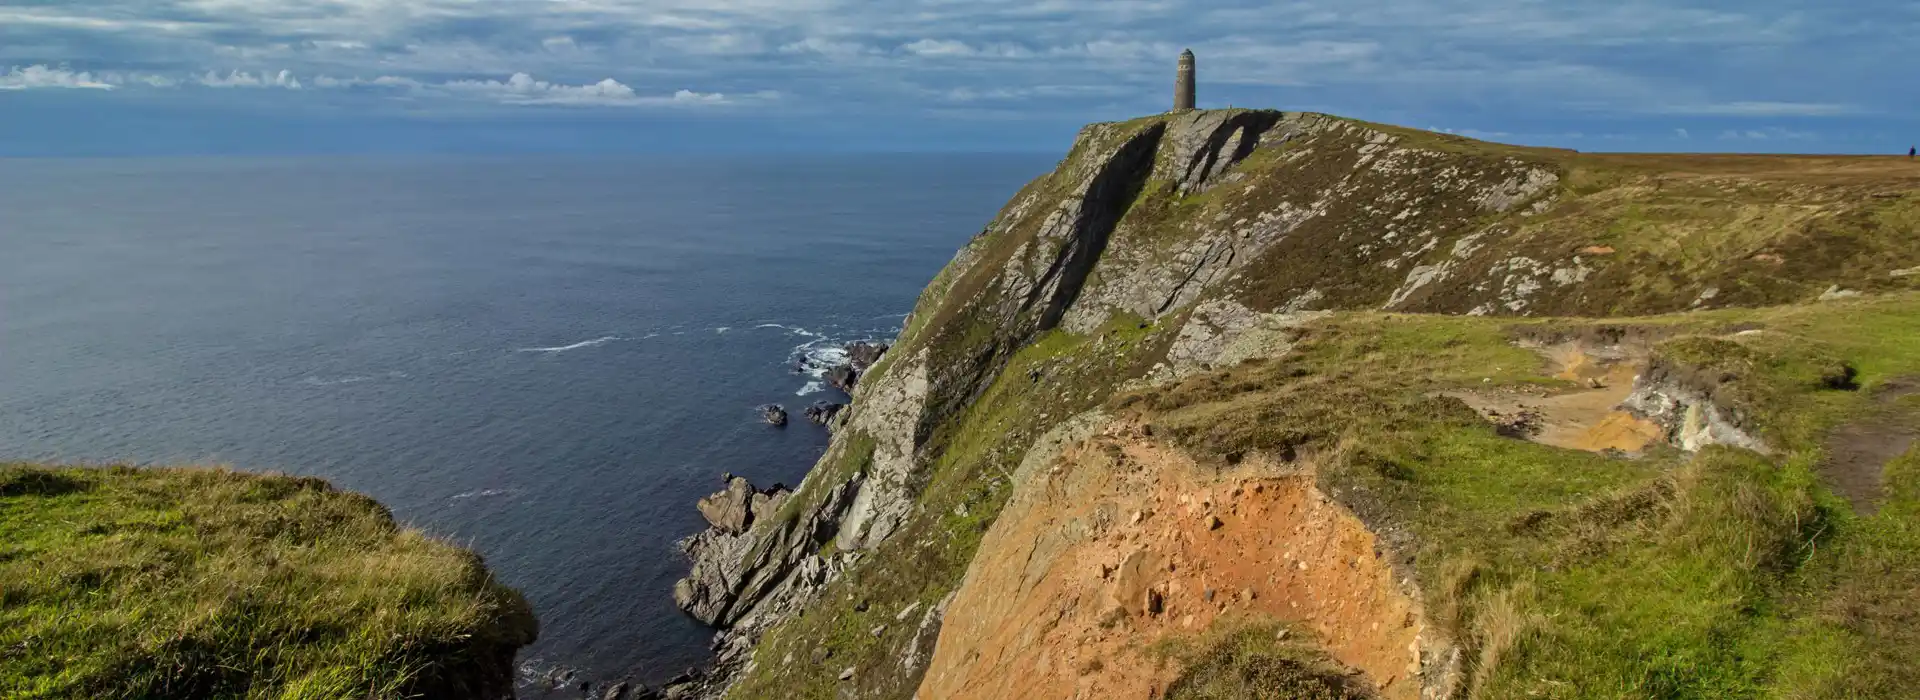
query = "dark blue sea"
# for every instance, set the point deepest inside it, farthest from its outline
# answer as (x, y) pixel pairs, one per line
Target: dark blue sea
(548, 360)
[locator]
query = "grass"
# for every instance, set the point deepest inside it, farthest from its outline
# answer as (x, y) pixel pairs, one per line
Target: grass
(1725, 574)
(1253, 659)
(201, 583)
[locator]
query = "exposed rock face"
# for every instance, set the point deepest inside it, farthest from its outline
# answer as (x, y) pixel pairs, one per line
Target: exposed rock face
(823, 412)
(843, 377)
(1147, 545)
(863, 355)
(735, 508)
(1686, 407)
(734, 569)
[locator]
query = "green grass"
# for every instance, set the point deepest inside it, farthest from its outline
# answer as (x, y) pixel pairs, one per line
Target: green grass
(1250, 659)
(1726, 574)
(199, 583)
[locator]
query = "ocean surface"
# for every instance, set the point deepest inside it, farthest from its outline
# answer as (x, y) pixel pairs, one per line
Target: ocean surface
(548, 360)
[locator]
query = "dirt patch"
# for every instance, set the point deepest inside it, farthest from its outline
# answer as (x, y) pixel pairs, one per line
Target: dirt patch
(1858, 452)
(1125, 542)
(1585, 419)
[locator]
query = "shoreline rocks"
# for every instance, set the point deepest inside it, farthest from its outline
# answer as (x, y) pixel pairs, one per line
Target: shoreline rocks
(823, 412)
(733, 509)
(861, 356)
(775, 415)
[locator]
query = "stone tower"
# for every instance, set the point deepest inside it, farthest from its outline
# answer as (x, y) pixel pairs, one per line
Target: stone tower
(1183, 83)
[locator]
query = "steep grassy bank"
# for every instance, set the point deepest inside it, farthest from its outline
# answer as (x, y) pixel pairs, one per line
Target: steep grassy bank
(199, 583)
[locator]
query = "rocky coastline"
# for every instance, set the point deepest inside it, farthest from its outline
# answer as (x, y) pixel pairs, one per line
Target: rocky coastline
(726, 580)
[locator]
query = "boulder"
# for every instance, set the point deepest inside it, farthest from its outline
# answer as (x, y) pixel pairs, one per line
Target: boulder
(730, 510)
(775, 414)
(764, 504)
(843, 377)
(822, 412)
(863, 355)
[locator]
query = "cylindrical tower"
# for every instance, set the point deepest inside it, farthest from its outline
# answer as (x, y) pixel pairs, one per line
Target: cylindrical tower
(1183, 83)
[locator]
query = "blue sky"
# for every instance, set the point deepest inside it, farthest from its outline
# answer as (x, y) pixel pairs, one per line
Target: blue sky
(102, 77)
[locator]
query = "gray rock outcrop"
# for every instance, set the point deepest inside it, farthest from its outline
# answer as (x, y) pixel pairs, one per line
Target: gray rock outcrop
(775, 415)
(733, 509)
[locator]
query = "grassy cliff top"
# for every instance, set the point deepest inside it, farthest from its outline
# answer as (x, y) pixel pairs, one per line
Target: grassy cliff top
(205, 583)
(1565, 573)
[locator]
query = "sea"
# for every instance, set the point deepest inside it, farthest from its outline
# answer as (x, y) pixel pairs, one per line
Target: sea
(545, 359)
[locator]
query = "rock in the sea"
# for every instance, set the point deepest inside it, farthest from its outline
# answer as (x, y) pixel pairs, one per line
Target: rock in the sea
(775, 414)
(822, 412)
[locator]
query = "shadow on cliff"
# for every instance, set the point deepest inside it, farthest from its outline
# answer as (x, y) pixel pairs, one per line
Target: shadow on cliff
(1114, 190)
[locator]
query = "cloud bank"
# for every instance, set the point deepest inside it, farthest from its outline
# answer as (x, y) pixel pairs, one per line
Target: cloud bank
(1491, 66)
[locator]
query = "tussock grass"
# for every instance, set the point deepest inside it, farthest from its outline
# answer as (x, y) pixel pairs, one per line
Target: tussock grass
(1255, 659)
(203, 583)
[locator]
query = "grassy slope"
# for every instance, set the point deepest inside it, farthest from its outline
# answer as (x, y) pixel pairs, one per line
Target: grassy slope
(1755, 230)
(192, 583)
(1568, 574)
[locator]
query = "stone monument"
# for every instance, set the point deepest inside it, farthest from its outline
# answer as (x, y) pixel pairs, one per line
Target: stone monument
(1183, 83)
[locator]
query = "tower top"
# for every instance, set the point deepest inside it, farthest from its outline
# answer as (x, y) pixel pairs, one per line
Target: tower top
(1187, 53)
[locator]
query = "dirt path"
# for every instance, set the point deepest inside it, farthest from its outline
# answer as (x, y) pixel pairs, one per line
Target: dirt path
(1858, 452)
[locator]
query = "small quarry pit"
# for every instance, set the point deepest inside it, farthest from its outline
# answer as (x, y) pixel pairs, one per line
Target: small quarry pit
(1589, 419)
(1123, 542)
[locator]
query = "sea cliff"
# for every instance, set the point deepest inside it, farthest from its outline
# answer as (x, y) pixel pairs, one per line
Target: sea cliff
(1251, 402)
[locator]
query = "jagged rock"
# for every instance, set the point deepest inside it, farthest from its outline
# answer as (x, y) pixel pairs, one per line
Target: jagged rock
(863, 355)
(765, 503)
(823, 412)
(775, 414)
(843, 377)
(734, 572)
(729, 510)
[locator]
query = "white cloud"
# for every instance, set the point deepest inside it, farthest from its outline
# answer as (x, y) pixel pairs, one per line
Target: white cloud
(243, 79)
(393, 81)
(938, 47)
(41, 76)
(828, 47)
(524, 89)
(1764, 109)
(1767, 134)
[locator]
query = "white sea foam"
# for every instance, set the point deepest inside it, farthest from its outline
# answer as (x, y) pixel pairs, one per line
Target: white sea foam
(336, 381)
(576, 346)
(483, 493)
(723, 329)
(811, 388)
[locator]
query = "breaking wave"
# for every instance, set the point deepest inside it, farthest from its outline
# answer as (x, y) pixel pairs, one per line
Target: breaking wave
(576, 346)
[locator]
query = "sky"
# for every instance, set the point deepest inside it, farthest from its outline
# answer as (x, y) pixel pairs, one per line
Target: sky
(183, 77)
